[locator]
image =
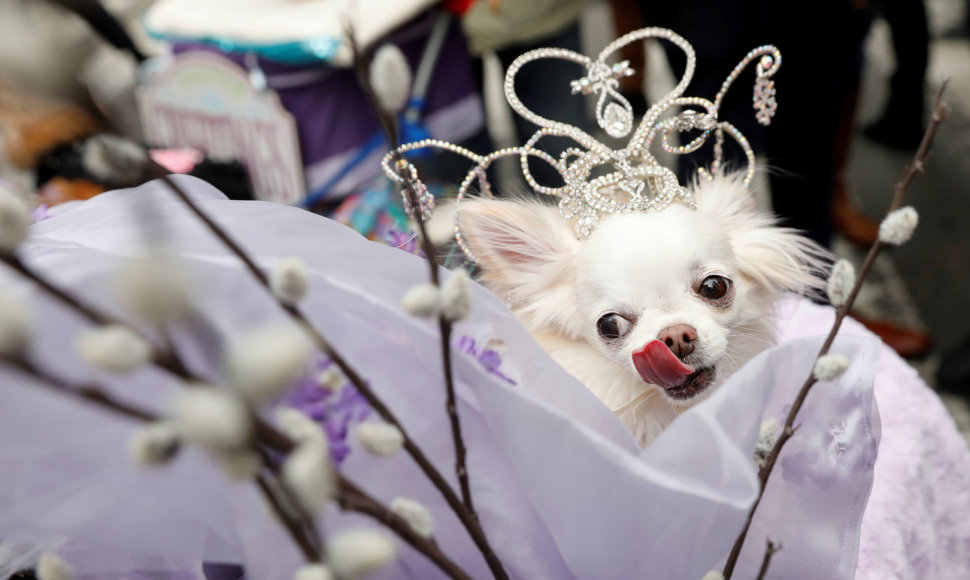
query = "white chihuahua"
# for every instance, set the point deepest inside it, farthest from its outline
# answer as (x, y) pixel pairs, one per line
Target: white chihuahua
(661, 301)
(653, 310)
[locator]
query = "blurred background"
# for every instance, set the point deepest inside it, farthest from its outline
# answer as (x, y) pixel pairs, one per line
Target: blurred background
(259, 97)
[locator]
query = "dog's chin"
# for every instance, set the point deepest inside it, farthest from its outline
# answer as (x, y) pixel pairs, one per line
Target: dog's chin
(694, 386)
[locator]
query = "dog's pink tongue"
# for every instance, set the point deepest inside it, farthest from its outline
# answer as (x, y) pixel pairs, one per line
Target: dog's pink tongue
(658, 366)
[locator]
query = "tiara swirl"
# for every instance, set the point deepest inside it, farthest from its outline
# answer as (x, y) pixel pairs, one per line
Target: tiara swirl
(634, 180)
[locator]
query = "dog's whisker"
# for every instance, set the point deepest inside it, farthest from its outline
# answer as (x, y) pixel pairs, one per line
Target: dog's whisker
(758, 337)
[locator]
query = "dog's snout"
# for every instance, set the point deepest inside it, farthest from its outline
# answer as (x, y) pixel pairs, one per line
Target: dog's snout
(679, 339)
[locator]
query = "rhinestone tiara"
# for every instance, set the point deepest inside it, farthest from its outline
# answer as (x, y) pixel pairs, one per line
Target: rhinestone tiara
(635, 180)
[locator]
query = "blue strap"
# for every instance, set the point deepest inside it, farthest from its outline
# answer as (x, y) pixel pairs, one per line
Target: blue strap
(411, 130)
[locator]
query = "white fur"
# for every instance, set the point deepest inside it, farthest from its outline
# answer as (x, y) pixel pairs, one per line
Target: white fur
(647, 266)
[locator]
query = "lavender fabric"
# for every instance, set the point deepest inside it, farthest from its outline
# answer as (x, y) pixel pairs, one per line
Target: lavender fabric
(561, 487)
(916, 523)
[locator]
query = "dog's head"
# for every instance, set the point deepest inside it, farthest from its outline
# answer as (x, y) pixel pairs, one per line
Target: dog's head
(665, 304)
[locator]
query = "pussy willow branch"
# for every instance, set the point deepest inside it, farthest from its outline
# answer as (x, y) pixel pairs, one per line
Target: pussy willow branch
(170, 361)
(444, 329)
(350, 496)
(467, 519)
(301, 526)
(88, 393)
(297, 528)
(161, 358)
(389, 126)
(98, 396)
(940, 111)
(770, 550)
(165, 359)
(267, 434)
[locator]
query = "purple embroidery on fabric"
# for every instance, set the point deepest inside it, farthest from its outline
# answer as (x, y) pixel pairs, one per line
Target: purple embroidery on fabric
(489, 357)
(407, 241)
(335, 410)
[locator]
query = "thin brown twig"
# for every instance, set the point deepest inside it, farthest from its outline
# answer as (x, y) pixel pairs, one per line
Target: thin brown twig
(352, 497)
(770, 550)
(296, 528)
(940, 111)
(160, 357)
(87, 311)
(451, 407)
(389, 126)
(300, 525)
(214, 228)
(444, 329)
(89, 393)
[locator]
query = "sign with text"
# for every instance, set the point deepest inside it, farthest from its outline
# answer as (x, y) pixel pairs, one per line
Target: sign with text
(208, 103)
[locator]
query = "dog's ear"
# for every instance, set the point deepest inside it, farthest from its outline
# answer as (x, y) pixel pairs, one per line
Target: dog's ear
(777, 258)
(525, 248)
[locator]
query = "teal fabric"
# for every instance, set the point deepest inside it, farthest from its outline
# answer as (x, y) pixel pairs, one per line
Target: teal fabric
(314, 50)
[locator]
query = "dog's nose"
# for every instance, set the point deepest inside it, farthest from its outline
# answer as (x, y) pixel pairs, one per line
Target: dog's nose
(679, 339)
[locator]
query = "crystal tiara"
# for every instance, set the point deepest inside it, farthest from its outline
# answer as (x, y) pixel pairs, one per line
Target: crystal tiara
(635, 180)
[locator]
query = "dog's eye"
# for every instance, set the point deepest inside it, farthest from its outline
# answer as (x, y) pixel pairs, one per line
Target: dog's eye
(714, 287)
(612, 326)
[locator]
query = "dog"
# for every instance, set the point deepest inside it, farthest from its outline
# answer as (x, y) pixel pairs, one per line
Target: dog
(654, 310)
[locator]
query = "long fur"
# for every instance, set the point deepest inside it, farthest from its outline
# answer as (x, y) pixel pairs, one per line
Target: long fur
(647, 266)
